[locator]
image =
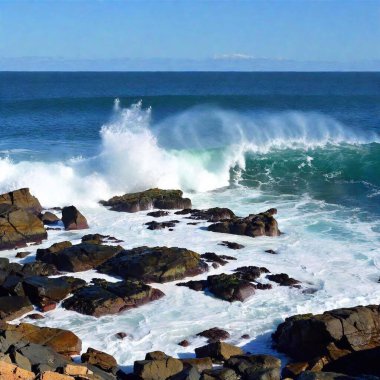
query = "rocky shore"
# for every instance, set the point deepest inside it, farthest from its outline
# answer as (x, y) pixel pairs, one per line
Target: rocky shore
(338, 344)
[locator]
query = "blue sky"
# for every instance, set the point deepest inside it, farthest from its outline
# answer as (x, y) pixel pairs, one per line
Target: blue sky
(179, 33)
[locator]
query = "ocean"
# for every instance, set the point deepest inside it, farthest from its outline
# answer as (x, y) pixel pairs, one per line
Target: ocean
(307, 144)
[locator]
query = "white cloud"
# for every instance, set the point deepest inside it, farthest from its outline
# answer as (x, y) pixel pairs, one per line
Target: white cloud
(234, 56)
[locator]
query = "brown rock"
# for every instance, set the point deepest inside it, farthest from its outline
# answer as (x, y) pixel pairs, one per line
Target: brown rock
(184, 343)
(72, 219)
(218, 351)
(214, 334)
(157, 369)
(12, 372)
(99, 359)
(49, 218)
(199, 363)
(76, 370)
(49, 375)
(12, 307)
(22, 198)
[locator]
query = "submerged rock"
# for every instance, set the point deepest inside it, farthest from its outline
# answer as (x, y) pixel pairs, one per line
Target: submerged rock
(19, 227)
(263, 224)
(153, 225)
(104, 298)
(72, 219)
(22, 199)
(214, 258)
(157, 264)
(284, 280)
(214, 334)
(145, 200)
(214, 214)
(232, 245)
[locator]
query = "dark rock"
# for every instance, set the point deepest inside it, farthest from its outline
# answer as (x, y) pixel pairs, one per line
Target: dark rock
(284, 280)
(77, 258)
(158, 369)
(218, 351)
(200, 364)
(262, 224)
(157, 264)
(72, 219)
(49, 218)
(184, 343)
(310, 375)
(219, 259)
(231, 245)
(245, 336)
(111, 298)
(121, 335)
(194, 285)
(153, 225)
(185, 211)
(214, 334)
(14, 307)
(39, 268)
(271, 251)
(250, 273)
(219, 374)
(260, 286)
(22, 255)
(260, 367)
(158, 214)
(22, 199)
(43, 291)
(99, 359)
(47, 255)
(331, 336)
(145, 200)
(213, 215)
(230, 287)
(35, 316)
(19, 227)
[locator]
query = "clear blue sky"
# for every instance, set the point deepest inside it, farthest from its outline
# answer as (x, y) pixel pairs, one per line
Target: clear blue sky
(301, 30)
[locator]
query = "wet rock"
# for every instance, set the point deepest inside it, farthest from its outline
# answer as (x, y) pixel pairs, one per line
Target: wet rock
(158, 214)
(35, 316)
(14, 307)
(271, 251)
(213, 215)
(110, 298)
(19, 227)
(260, 367)
(230, 287)
(43, 291)
(200, 364)
(250, 273)
(218, 351)
(77, 258)
(72, 219)
(245, 336)
(231, 245)
(188, 373)
(49, 218)
(284, 280)
(219, 259)
(22, 199)
(153, 225)
(157, 264)
(292, 370)
(22, 255)
(38, 268)
(158, 369)
(99, 359)
(121, 335)
(214, 334)
(332, 335)
(254, 225)
(145, 200)
(219, 374)
(194, 285)
(184, 343)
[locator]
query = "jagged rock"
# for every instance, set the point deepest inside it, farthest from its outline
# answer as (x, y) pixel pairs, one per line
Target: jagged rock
(158, 214)
(284, 280)
(20, 360)
(271, 251)
(250, 273)
(99, 359)
(211, 215)
(19, 227)
(331, 336)
(219, 259)
(157, 369)
(214, 334)
(230, 287)
(50, 375)
(72, 219)
(188, 373)
(263, 224)
(49, 218)
(184, 343)
(61, 341)
(22, 198)
(153, 225)
(199, 363)
(111, 298)
(14, 307)
(38, 268)
(121, 335)
(157, 264)
(219, 374)
(35, 316)
(145, 200)
(22, 255)
(194, 285)
(218, 351)
(43, 290)
(231, 245)
(12, 372)
(77, 370)
(77, 258)
(260, 367)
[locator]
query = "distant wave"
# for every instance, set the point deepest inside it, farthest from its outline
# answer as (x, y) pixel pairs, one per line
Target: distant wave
(201, 149)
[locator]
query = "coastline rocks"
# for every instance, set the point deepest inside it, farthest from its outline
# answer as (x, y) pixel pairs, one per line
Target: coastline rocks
(232, 245)
(218, 351)
(157, 264)
(153, 225)
(263, 224)
(76, 258)
(12, 372)
(213, 215)
(145, 200)
(14, 307)
(99, 359)
(19, 227)
(22, 198)
(218, 259)
(326, 340)
(214, 334)
(284, 280)
(49, 218)
(158, 214)
(72, 219)
(104, 298)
